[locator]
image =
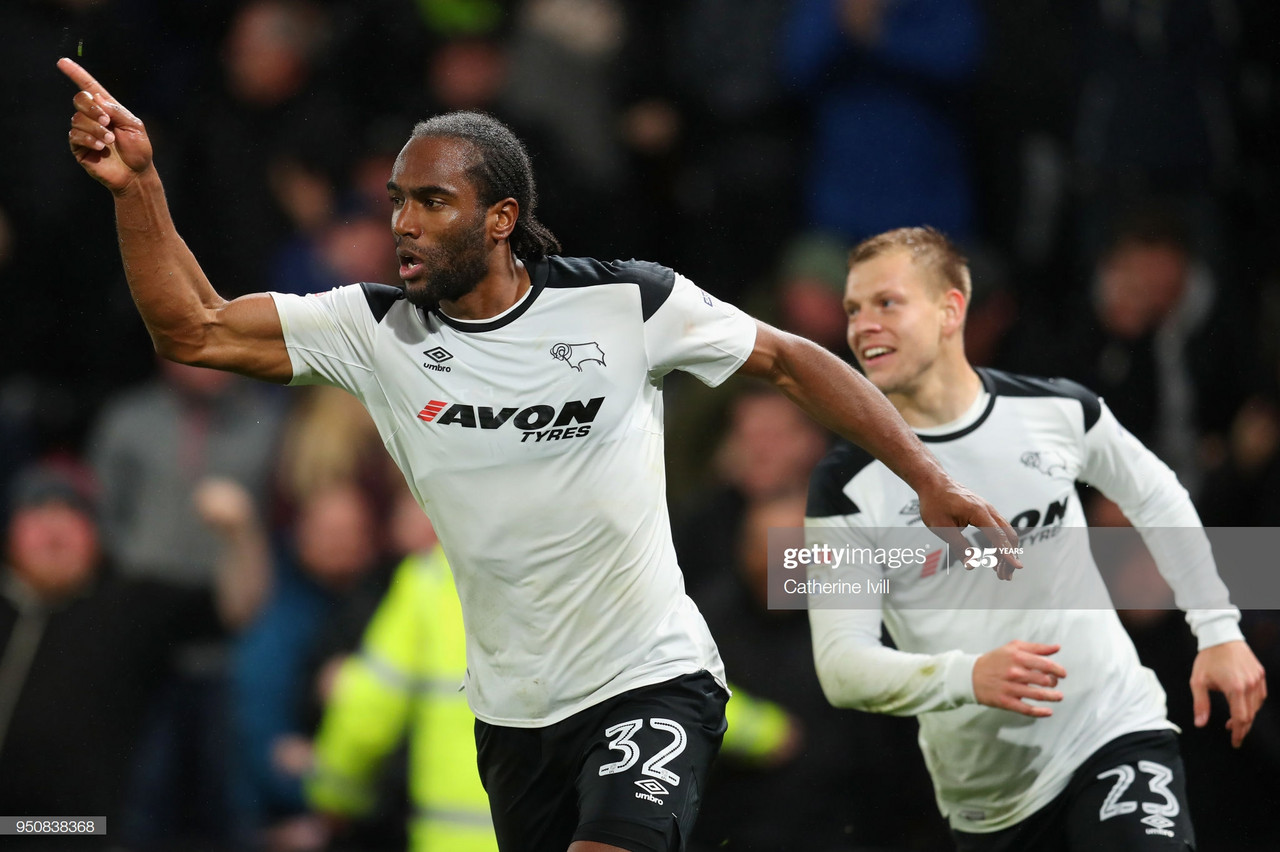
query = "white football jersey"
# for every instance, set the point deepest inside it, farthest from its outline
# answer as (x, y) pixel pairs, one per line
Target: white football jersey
(1023, 445)
(534, 441)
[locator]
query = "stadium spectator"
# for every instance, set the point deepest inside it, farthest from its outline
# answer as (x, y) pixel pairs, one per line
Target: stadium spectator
(275, 107)
(578, 626)
(86, 652)
(1151, 338)
(328, 579)
(150, 449)
(764, 451)
(886, 83)
(1010, 771)
(403, 683)
(735, 177)
(1156, 116)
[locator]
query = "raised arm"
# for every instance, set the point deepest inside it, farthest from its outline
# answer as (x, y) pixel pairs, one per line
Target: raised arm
(840, 398)
(188, 321)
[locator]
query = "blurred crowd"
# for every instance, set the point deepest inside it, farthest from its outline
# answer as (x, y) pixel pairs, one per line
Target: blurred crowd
(188, 553)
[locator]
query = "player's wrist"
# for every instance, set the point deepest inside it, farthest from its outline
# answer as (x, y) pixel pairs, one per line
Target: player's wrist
(958, 678)
(1218, 629)
(142, 183)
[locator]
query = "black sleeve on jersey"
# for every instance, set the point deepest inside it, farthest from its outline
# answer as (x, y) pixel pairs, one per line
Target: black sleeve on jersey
(654, 280)
(380, 298)
(1012, 384)
(827, 482)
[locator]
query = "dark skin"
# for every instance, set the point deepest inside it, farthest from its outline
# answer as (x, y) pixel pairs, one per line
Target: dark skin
(435, 205)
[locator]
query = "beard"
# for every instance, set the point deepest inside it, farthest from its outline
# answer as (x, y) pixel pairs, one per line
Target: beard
(451, 269)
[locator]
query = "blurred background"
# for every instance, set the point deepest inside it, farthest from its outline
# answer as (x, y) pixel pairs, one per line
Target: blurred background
(1109, 166)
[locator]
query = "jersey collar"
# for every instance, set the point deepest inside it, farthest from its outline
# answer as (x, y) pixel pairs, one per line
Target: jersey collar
(538, 270)
(989, 386)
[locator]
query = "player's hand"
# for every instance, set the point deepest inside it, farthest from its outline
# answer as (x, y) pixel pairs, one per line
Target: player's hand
(947, 509)
(1017, 672)
(108, 141)
(1232, 669)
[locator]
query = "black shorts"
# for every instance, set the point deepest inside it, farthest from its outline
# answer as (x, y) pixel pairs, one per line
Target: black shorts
(1129, 796)
(628, 772)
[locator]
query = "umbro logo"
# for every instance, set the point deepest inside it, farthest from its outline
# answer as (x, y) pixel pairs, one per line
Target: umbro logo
(653, 786)
(439, 355)
(652, 790)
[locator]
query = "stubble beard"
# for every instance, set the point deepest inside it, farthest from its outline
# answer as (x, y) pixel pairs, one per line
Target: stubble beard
(452, 269)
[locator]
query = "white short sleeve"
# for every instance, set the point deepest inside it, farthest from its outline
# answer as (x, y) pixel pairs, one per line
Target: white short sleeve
(329, 337)
(697, 333)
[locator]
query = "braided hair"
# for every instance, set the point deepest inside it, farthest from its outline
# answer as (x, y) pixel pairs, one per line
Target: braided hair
(502, 170)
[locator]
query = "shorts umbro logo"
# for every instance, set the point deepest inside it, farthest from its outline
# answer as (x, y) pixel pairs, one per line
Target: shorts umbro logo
(652, 789)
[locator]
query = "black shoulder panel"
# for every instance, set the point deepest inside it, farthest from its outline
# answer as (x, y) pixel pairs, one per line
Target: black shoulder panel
(654, 280)
(1013, 384)
(380, 298)
(827, 482)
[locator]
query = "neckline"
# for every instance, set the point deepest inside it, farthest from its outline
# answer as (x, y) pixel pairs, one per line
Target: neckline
(973, 417)
(538, 272)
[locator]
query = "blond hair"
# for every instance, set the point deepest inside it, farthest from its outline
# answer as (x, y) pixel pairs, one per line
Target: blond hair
(929, 248)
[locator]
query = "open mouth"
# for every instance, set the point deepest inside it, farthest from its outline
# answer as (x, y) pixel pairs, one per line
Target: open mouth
(410, 265)
(876, 354)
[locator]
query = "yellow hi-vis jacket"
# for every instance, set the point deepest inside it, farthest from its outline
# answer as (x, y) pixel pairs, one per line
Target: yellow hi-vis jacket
(407, 677)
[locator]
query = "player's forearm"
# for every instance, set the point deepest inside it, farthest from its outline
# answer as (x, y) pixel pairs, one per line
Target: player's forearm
(1151, 497)
(172, 293)
(876, 679)
(842, 399)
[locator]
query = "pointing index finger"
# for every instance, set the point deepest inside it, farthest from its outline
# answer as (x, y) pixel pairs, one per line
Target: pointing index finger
(82, 78)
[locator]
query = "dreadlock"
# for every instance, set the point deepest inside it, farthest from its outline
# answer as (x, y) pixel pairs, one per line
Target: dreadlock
(502, 170)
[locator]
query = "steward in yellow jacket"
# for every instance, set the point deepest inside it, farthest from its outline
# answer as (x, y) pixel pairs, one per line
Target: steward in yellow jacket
(407, 678)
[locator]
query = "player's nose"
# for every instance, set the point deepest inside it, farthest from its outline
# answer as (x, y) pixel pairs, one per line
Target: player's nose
(863, 323)
(404, 223)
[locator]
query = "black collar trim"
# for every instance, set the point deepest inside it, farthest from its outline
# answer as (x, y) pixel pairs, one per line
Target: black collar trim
(538, 270)
(989, 386)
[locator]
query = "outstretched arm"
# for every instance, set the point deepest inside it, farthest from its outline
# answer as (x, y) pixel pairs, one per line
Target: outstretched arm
(188, 321)
(840, 398)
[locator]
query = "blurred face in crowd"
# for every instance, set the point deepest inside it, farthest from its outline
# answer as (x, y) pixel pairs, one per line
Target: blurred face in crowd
(1141, 284)
(336, 535)
(770, 447)
(53, 547)
(438, 221)
(266, 51)
(902, 324)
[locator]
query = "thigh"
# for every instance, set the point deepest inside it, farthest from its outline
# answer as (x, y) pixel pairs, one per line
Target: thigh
(1132, 798)
(646, 762)
(531, 794)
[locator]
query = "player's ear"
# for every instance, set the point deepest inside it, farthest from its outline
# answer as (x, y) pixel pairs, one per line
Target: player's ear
(502, 218)
(954, 306)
